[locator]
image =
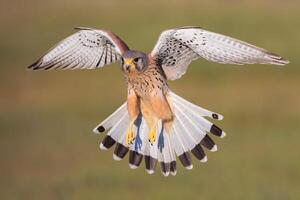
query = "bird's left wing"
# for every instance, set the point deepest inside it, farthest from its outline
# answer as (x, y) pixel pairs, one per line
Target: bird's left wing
(177, 48)
(86, 49)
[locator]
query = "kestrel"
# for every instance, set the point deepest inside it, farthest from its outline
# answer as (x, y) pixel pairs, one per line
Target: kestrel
(154, 122)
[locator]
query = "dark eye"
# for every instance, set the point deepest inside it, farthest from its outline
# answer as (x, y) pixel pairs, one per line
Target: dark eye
(136, 60)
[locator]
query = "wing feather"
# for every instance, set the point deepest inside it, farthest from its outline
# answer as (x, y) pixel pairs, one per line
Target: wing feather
(177, 48)
(86, 49)
(60, 59)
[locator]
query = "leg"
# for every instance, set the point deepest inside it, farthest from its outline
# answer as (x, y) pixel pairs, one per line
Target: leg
(152, 132)
(133, 106)
(151, 120)
(129, 134)
(168, 122)
(162, 106)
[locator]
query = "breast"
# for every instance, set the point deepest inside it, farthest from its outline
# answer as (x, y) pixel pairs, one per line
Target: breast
(149, 82)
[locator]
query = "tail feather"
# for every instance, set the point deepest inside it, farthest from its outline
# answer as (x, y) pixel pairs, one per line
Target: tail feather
(189, 124)
(188, 133)
(186, 160)
(120, 152)
(178, 145)
(107, 142)
(202, 123)
(199, 153)
(110, 121)
(135, 159)
(173, 168)
(200, 111)
(166, 154)
(142, 145)
(169, 146)
(139, 147)
(117, 132)
(117, 124)
(150, 164)
(209, 143)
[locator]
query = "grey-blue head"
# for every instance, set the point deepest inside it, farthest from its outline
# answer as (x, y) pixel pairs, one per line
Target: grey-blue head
(134, 61)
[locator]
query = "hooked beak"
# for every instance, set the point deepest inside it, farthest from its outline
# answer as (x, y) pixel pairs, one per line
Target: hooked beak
(129, 65)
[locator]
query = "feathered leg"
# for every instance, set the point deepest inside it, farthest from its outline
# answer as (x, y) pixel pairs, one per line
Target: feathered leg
(151, 120)
(133, 106)
(155, 108)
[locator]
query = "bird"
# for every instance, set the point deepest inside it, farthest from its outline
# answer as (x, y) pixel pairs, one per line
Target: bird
(154, 123)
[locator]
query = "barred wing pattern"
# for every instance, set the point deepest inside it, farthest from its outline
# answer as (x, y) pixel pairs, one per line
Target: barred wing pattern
(86, 49)
(177, 48)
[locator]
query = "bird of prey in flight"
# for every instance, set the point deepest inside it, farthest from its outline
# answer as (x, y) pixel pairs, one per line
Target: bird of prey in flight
(154, 122)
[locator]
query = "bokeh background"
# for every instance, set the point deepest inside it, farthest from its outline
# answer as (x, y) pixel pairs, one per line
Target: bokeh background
(48, 151)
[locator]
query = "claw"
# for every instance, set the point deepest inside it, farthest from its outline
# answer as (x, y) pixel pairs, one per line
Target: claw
(152, 136)
(132, 141)
(129, 137)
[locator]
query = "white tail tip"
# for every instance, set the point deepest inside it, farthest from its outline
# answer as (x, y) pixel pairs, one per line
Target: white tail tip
(117, 158)
(220, 117)
(173, 173)
(204, 160)
(214, 148)
(95, 130)
(223, 134)
(131, 166)
(166, 174)
(102, 147)
(150, 171)
(189, 167)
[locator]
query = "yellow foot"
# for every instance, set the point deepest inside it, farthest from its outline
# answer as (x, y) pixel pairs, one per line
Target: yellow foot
(129, 137)
(152, 136)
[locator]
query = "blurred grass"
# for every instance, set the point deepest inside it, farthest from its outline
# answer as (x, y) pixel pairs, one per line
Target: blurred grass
(47, 150)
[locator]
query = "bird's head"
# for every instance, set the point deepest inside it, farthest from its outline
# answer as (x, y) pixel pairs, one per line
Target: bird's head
(134, 62)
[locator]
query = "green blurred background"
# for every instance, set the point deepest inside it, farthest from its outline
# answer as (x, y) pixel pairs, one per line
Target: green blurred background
(48, 151)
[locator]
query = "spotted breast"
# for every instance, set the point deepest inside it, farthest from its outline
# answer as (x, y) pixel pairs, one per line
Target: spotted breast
(150, 82)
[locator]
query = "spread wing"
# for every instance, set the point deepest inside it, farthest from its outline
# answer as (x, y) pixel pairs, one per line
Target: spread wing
(177, 48)
(86, 49)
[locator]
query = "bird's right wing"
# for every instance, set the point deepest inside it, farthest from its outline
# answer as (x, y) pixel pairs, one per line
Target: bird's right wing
(177, 48)
(86, 49)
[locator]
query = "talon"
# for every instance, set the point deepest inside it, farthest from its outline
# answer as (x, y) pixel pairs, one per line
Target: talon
(129, 137)
(152, 136)
(131, 142)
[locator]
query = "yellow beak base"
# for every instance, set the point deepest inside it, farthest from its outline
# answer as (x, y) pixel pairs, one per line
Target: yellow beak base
(130, 65)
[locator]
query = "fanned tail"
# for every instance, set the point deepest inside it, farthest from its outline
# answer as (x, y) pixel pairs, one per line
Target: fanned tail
(189, 133)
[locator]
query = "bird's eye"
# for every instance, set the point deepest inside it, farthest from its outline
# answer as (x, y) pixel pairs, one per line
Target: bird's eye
(136, 60)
